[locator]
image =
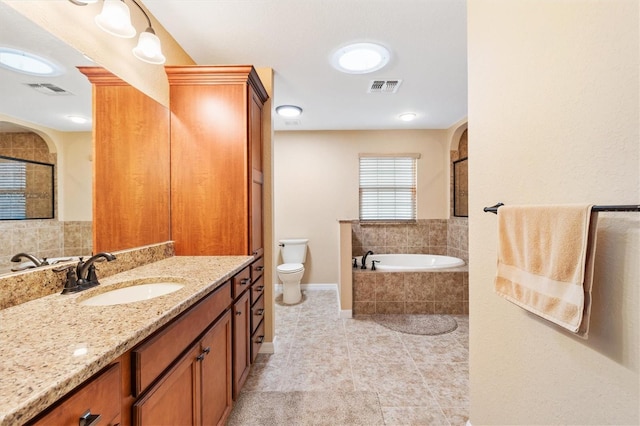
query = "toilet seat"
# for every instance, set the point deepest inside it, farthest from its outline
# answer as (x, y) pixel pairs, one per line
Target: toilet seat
(290, 268)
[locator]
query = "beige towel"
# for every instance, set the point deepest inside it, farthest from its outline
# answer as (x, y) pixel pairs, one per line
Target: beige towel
(545, 261)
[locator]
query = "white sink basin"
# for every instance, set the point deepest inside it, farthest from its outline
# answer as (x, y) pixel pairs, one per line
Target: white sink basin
(131, 294)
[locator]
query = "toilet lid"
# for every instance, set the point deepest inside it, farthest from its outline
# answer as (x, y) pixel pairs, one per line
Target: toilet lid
(289, 268)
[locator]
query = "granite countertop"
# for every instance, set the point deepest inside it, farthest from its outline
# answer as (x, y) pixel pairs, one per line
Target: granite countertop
(50, 345)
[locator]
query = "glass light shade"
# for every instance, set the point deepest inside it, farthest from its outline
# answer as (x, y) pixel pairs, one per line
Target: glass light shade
(115, 19)
(289, 111)
(148, 48)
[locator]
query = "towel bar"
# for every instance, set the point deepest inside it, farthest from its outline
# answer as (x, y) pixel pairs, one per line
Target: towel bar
(619, 208)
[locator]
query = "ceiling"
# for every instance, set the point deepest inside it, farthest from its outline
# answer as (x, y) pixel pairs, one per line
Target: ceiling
(427, 40)
(43, 108)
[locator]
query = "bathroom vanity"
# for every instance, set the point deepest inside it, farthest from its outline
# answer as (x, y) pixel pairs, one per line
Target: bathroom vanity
(172, 359)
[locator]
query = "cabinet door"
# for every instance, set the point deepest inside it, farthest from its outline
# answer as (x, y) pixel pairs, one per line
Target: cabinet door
(241, 342)
(256, 178)
(174, 400)
(216, 376)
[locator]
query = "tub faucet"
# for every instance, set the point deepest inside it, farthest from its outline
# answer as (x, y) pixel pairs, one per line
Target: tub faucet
(36, 260)
(364, 259)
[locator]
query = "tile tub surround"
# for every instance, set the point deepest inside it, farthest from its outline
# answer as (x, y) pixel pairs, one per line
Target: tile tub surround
(20, 287)
(38, 338)
(434, 292)
(447, 237)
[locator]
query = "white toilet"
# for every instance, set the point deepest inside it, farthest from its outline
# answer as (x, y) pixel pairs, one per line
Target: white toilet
(294, 253)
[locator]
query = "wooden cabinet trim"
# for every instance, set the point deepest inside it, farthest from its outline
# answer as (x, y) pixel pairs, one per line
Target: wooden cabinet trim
(101, 394)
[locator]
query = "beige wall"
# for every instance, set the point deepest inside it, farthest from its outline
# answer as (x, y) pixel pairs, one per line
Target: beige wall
(76, 188)
(316, 184)
(554, 118)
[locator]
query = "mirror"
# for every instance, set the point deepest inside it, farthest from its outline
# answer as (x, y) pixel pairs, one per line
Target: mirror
(31, 107)
(460, 188)
(26, 189)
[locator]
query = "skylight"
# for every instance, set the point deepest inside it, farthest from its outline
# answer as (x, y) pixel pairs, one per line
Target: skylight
(26, 63)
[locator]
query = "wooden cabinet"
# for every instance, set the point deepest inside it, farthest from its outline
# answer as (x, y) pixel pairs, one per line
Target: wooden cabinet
(97, 400)
(216, 160)
(183, 373)
(197, 388)
(130, 165)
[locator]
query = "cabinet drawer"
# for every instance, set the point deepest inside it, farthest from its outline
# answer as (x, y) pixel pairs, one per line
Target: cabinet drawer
(241, 281)
(257, 268)
(257, 289)
(257, 313)
(155, 354)
(256, 341)
(100, 395)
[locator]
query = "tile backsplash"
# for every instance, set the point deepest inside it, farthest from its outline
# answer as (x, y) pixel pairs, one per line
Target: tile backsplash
(43, 238)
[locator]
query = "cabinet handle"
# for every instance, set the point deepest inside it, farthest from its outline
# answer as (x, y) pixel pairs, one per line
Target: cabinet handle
(245, 281)
(200, 357)
(260, 339)
(259, 268)
(88, 419)
(260, 312)
(260, 288)
(207, 350)
(238, 312)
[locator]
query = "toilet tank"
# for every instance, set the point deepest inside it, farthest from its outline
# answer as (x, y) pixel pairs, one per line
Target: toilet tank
(294, 250)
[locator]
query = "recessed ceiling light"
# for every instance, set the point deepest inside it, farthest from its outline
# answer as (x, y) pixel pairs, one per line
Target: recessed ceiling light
(360, 58)
(77, 119)
(27, 63)
(407, 116)
(289, 111)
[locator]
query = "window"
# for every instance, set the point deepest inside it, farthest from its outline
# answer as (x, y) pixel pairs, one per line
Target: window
(388, 187)
(13, 184)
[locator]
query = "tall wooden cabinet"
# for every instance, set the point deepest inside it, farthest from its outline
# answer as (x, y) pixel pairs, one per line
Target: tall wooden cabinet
(216, 160)
(130, 165)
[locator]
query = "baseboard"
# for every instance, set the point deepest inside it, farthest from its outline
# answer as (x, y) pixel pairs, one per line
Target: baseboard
(346, 313)
(319, 286)
(268, 347)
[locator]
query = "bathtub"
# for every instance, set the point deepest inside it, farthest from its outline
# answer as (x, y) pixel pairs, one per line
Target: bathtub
(411, 262)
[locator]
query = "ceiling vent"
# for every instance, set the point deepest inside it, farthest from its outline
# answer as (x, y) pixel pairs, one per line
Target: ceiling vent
(49, 89)
(384, 86)
(291, 122)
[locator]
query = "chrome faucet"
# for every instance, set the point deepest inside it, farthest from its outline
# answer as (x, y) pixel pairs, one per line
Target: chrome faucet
(364, 259)
(86, 270)
(36, 260)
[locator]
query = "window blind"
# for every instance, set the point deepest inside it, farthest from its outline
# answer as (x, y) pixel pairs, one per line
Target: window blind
(388, 188)
(13, 185)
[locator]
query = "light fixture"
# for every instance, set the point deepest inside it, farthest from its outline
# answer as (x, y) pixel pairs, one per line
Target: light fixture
(289, 111)
(148, 48)
(78, 119)
(82, 2)
(115, 19)
(27, 63)
(407, 116)
(360, 58)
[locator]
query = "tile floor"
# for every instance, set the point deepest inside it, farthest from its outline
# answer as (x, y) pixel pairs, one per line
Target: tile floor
(420, 380)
